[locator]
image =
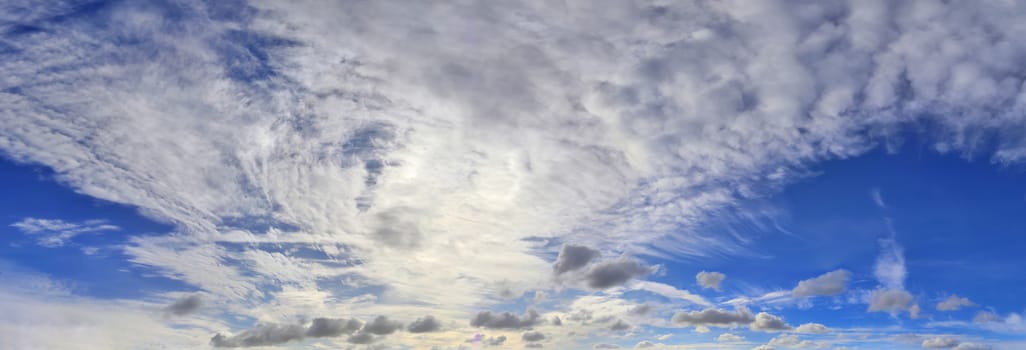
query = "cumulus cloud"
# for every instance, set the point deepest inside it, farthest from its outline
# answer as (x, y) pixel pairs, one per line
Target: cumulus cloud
(710, 280)
(505, 320)
(332, 327)
(953, 303)
(424, 325)
(642, 309)
(573, 257)
(892, 301)
(262, 335)
(644, 344)
(830, 283)
(813, 328)
(615, 273)
(714, 317)
(55, 232)
(533, 336)
(769, 323)
(381, 325)
(185, 305)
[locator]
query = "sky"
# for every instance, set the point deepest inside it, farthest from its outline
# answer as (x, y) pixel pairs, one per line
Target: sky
(512, 174)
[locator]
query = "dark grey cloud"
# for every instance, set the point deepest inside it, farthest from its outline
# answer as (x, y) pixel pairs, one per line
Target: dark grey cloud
(381, 325)
(275, 334)
(534, 345)
(332, 327)
(605, 346)
(830, 283)
(615, 273)
(573, 257)
(262, 335)
(768, 323)
(505, 320)
(620, 325)
(495, 341)
(714, 317)
(556, 321)
(532, 336)
(424, 325)
(185, 305)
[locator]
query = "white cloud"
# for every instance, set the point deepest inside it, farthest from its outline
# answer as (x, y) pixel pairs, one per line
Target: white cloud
(813, 328)
(373, 137)
(669, 291)
(710, 280)
(890, 265)
(830, 283)
(729, 338)
(940, 343)
(892, 301)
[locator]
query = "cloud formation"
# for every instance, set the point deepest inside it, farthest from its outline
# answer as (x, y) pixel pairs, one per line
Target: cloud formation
(812, 328)
(53, 233)
(953, 303)
(714, 317)
(615, 273)
(769, 323)
(572, 257)
(185, 305)
(425, 324)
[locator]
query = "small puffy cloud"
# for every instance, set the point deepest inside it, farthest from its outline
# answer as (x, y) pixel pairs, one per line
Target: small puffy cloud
(884, 300)
(729, 338)
(830, 283)
(185, 305)
(424, 325)
(532, 336)
(940, 343)
(710, 280)
(953, 303)
(714, 317)
(768, 323)
(615, 273)
(813, 328)
(505, 320)
(488, 341)
(644, 344)
(620, 325)
(573, 257)
(381, 325)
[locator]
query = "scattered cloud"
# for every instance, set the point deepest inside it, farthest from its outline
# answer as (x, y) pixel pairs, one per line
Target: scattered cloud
(714, 317)
(573, 257)
(620, 325)
(615, 273)
(730, 338)
(425, 324)
(532, 336)
(940, 343)
(892, 301)
(769, 323)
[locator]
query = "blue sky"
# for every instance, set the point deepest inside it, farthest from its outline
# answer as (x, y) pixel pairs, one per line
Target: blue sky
(484, 175)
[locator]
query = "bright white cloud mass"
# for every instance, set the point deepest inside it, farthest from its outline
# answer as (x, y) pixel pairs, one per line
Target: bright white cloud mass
(490, 174)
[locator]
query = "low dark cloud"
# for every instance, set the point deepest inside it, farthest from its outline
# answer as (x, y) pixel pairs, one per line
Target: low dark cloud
(620, 325)
(275, 334)
(573, 257)
(332, 327)
(185, 305)
(532, 336)
(505, 320)
(424, 325)
(262, 335)
(534, 346)
(615, 273)
(714, 317)
(381, 325)
(556, 321)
